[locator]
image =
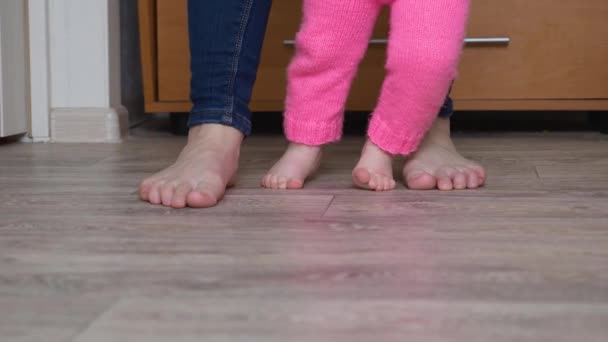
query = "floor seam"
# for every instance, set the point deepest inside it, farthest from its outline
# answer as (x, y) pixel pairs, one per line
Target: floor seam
(88, 326)
(333, 197)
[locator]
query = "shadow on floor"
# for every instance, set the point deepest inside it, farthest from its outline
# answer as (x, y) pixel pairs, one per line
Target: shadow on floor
(268, 123)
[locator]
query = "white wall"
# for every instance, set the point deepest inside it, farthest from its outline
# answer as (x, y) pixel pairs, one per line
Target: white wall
(13, 72)
(82, 76)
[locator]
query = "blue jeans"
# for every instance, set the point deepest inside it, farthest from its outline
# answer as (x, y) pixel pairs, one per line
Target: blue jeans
(226, 38)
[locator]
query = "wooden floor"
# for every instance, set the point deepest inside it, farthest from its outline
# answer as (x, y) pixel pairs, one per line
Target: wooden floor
(524, 259)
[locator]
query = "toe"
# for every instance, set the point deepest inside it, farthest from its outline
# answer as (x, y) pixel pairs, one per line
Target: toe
(362, 178)
(420, 180)
(380, 182)
(206, 194)
(481, 175)
(380, 186)
(200, 199)
(166, 193)
(274, 181)
(269, 181)
(445, 178)
(373, 182)
(295, 184)
(387, 184)
(144, 189)
(180, 194)
(472, 179)
(444, 183)
(154, 194)
(266, 181)
(460, 181)
(263, 181)
(282, 182)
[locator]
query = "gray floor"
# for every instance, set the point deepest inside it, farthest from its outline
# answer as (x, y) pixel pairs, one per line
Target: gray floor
(524, 259)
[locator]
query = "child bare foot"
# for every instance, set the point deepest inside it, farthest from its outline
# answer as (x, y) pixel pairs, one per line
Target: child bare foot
(374, 170)
(203, 170)
(438, 165)
(291, 171)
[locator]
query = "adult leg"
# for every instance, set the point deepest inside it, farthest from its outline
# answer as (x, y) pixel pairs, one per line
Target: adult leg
(437, 164)
(226, 38)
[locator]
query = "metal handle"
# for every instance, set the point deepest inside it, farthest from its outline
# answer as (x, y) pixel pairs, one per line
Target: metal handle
(488, 40)
(469, 41)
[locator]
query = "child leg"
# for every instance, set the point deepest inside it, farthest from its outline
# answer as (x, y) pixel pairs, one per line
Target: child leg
(424, 47)
(332, 41)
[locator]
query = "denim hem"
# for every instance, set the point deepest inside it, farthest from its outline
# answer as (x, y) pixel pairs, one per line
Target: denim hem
(447, 109)
(235, 120)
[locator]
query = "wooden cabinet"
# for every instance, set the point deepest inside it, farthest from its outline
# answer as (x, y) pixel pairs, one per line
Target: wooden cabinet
(555, 59)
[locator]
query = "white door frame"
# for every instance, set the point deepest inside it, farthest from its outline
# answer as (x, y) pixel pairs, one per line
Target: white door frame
(39, 70)
(75, 71)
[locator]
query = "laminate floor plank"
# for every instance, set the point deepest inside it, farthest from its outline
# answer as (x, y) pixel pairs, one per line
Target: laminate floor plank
(523, 259)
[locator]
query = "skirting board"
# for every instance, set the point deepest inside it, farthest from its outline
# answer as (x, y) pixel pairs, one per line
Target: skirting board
(89, 125)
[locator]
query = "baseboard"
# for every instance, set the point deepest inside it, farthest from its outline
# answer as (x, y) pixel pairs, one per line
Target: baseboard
(89, 125)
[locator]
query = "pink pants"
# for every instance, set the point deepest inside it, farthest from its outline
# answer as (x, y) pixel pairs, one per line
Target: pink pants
(425, 42)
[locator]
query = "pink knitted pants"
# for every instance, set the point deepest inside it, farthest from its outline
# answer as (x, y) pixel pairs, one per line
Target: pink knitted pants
(425, 42)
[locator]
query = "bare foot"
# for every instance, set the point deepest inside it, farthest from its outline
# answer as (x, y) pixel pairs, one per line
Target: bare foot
(374, 170)
(438, 165)
(291, 171)
(203, 170)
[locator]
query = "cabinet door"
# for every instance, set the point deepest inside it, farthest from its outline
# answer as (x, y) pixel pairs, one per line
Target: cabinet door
(173, 57)
(558, 50)
(13, 92)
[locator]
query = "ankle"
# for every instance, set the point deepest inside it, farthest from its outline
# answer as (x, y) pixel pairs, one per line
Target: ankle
(304, 148)
(440, 133)
(371, 148)
(216, 134)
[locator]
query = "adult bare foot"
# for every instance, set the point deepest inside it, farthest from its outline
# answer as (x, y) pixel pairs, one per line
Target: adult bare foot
(291, 171)
(203, 170)
(438, 165)
(374, 170)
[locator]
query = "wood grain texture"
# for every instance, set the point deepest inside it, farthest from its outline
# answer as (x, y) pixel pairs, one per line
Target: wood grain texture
(308, 318)
(523, 259)
(149, 55)
(555, 60)
(555, 52)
